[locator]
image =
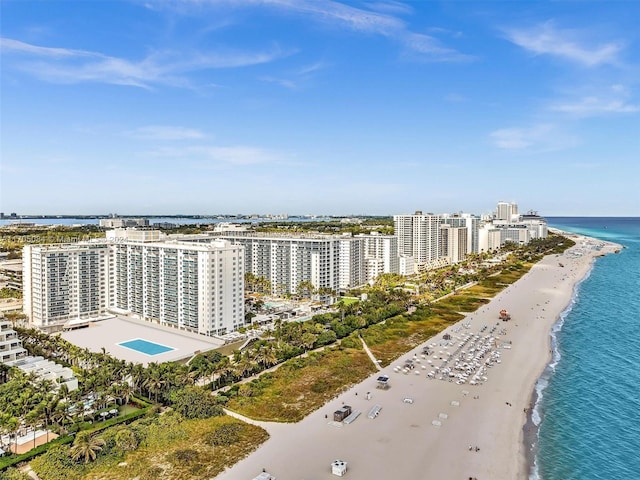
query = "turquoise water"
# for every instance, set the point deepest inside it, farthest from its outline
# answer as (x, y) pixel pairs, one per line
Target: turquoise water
(146, 347)
(589, 412)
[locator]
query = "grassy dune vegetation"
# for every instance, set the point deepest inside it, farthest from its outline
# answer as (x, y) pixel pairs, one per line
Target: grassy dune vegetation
(166, 446)
(302, 385)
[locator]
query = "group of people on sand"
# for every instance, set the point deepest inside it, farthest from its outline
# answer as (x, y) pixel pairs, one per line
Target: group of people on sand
(476, 448)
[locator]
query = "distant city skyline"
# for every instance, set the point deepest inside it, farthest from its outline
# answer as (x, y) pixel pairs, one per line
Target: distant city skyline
(319, 107)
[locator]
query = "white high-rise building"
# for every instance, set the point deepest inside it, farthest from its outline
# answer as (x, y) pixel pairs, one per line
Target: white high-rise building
(352, 263)
(380, 254)
(197, 287)
(194, 286)
(286, 260)
(470, 222)
(333, 262)
(418, 236)
(506, 211)
(64, 282)
(453, 242)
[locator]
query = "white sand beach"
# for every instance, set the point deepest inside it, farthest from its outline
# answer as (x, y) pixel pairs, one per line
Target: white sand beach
(402, 442)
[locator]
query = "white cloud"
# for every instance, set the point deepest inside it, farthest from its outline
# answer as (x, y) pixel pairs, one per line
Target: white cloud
(157, 132)
(539, 138)
(546, 39)
(214, 155)
(284, 82)
(454, 98)
(240, 155)
(10, 45)
(595, 100)
(592, 106)
(378, 18)
(164, 68)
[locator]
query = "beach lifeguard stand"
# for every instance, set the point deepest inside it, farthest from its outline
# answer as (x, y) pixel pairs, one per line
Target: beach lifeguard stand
(339, 467)
(383, 382)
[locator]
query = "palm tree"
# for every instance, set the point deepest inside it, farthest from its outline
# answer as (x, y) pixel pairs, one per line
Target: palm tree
(86, 447)
(154, 382)
(245, 366)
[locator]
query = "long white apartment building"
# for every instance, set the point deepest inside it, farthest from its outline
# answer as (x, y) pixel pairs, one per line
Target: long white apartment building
(333, 262)
(193, 286)
(196, 287)
(287, 260)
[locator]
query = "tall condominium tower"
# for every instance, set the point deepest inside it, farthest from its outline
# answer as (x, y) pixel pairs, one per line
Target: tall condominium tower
(468, 221)
(380, 255)
(64, 282)
(334, 262)
(453, 242)
(418, 236)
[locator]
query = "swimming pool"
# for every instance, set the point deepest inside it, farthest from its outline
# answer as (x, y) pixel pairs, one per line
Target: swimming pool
(145, 346)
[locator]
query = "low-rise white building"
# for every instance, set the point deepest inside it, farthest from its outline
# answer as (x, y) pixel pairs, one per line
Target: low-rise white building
(407, 266)
(11, 348)
(47, 370)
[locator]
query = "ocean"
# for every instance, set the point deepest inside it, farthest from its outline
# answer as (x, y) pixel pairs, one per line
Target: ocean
(174, 220)
(588, 406)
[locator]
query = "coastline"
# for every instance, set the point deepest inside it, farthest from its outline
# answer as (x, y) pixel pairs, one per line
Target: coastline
(531, 429)
(430, 438)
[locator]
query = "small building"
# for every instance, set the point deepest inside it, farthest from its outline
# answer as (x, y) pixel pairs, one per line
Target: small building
(341, 414)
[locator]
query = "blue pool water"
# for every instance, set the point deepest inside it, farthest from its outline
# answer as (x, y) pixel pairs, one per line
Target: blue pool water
(146, 347)
(589, 410)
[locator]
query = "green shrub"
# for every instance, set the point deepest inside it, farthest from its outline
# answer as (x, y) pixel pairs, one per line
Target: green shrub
(225, 435)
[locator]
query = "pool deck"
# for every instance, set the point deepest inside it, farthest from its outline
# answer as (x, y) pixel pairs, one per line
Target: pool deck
(109, 333)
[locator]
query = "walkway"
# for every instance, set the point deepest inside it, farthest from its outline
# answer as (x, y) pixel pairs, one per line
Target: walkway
(371, 356)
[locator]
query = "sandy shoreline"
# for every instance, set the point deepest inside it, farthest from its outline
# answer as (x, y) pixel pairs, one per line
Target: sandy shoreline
(403, 442)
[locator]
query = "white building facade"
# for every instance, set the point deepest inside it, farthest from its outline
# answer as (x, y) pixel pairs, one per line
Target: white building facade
(286, 261)
(64, 282)
(196, 287)
(453, 242)
(418, 236)
(380, 255)
(11, 348)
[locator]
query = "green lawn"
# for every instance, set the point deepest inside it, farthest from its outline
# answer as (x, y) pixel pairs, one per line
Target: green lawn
(347, 300)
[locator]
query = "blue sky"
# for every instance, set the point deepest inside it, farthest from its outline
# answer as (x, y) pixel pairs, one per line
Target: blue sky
(319, 107)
